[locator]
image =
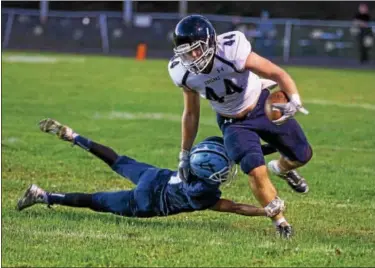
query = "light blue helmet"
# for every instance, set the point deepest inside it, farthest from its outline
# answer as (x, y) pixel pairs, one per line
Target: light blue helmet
(209, 161)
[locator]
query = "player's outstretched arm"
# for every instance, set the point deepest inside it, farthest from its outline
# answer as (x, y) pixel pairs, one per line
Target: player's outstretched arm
(229, 206)
(225, 205)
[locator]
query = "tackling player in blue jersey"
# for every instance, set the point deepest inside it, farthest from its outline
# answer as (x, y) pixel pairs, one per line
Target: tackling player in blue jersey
(159, 192)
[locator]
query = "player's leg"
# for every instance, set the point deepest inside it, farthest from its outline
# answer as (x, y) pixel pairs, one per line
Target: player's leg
(243, 146)
(123, 165)
(51, 126)
(119, 203)
(295, 152)
(288, 139)
(268, 149)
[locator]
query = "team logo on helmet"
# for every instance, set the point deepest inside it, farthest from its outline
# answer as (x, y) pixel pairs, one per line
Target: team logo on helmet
(209, 161)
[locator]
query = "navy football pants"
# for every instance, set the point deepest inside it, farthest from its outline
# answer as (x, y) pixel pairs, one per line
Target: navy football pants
(242, 137)
(136, 202)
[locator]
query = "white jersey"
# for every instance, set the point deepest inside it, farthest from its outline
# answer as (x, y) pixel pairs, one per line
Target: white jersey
(229, 87)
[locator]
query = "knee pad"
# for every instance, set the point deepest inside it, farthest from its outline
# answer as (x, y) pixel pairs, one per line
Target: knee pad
(250, 161)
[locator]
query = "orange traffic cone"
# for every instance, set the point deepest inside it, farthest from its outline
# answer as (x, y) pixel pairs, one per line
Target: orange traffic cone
(141, 51)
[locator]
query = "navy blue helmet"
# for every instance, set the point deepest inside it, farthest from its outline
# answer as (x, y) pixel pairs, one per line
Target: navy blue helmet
(194, 42)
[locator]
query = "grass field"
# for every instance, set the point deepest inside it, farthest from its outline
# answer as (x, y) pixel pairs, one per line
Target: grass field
(134, 108)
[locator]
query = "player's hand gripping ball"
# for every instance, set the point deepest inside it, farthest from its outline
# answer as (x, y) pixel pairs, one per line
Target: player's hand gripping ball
(275, 97)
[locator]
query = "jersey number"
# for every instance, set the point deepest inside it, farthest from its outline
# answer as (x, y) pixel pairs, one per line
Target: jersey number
(173, 64)
(229, 42)
(230, 88)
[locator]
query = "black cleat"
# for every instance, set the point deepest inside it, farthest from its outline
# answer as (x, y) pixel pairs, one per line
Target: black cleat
(295, 181)
(284, 231)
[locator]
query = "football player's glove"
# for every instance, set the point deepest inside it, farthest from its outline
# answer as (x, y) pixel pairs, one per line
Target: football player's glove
(184, 165)
(289, 109)
(275, 207)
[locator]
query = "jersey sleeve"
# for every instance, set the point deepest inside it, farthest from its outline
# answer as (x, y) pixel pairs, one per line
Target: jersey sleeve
(176, 71)
(242, 51)
(237, 48)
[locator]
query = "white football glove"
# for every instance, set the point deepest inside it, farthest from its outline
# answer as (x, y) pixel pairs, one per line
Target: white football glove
(184, 165)
(289, 109)
(275, 207)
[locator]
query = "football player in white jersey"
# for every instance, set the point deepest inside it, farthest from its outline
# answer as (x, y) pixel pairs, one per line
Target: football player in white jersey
(225, 70)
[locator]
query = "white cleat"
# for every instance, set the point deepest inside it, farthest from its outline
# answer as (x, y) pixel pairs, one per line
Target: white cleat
(55, 128)
(32, 196)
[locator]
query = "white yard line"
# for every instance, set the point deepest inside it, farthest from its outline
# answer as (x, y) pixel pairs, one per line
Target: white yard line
(11, 140)
(322, 203)
(366, 106)
(40, 59)
(330, 203)
(337, 148)
(150, 116)
(203, 121)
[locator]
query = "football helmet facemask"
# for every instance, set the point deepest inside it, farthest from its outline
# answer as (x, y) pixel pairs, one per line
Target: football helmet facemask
(194, 42)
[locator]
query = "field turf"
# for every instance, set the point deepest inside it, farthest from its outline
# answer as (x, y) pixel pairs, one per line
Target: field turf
(135, 108)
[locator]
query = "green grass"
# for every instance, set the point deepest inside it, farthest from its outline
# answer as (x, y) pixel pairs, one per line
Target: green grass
(334, 223)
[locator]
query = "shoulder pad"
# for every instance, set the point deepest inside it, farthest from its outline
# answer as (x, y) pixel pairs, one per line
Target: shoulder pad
(236, 48)
(176, 71)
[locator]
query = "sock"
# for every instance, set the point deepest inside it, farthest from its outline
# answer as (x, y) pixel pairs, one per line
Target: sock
(279, 221)
(54, 198)
(273, 165)
(71, 199)
(277, 166)
(103, 152)
(44, 197)
(82, 142)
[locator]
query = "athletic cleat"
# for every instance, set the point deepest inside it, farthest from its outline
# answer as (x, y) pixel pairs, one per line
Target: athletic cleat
(295, 181)
(32, 196)
(55, 128)
(284, 231)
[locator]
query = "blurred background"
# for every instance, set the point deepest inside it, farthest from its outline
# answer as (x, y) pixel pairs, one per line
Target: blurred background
(308, 33)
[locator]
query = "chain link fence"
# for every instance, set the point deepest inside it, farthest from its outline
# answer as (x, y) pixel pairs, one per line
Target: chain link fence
(106, 32)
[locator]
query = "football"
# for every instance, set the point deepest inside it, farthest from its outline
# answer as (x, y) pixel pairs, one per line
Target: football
(275, 97)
